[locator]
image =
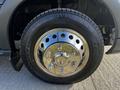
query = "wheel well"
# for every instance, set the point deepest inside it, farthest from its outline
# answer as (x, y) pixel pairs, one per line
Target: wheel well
(25, 12)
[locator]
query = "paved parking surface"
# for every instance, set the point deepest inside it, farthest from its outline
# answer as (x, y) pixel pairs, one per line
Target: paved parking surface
(107, 77)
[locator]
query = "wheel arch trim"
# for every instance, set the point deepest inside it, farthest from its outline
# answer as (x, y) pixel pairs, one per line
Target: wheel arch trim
(6, 12)
(114, 6)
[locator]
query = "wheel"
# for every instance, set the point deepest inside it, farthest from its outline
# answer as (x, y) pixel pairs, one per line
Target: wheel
(62, 46)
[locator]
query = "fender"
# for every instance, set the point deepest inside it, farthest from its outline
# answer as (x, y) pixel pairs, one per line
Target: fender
(6, 12)
(8, 9)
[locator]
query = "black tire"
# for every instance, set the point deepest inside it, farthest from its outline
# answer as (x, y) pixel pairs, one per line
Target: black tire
(62, 18)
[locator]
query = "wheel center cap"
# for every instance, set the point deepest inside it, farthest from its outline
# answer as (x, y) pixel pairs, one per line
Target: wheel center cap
(61, 58)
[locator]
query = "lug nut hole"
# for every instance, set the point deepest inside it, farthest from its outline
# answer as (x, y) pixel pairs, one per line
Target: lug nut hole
(71, 37)
(77, 41)
(63, 35)
(54, 36)
(82, 47)
(42, 45)
(83, 54)
(47, 39)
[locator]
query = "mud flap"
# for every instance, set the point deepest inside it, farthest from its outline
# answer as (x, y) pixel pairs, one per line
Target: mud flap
(115, 48)
(16, 62)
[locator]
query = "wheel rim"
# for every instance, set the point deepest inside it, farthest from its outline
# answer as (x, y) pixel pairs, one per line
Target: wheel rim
(61, 52)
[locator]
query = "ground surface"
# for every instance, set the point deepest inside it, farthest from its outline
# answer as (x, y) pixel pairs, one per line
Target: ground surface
(107, 77)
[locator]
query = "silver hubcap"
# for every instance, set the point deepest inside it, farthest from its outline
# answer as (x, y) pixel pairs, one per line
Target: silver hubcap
(61, 52)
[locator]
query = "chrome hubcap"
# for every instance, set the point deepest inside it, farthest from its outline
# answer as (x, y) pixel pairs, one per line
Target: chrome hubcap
(61, 52)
